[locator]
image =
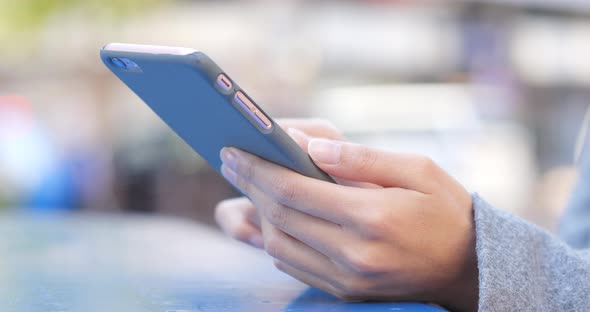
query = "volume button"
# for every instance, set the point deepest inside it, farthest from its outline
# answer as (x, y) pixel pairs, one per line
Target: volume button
(264, 120)
(251, 109)
(244, 101)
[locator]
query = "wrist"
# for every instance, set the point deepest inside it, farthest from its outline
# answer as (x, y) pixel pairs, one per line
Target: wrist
(461, 293)
(464, 295)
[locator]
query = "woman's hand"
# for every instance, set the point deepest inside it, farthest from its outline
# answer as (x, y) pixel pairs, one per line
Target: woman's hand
(405, 233)
(237, 216)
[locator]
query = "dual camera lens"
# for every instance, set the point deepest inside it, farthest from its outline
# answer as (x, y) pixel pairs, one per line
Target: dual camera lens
(124, 63)
(117, 62)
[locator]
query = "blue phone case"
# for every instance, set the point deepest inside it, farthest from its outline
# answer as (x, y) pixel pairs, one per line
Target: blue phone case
(181, 89)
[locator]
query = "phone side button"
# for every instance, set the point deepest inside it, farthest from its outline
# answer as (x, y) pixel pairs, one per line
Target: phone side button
(262, 119)
(244, 101)
(251, 109)
(224, 83)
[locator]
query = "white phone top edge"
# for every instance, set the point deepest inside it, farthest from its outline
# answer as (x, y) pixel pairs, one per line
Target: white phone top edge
(151, 49)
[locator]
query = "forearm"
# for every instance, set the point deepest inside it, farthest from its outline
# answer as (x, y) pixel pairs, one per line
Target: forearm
(524, 268)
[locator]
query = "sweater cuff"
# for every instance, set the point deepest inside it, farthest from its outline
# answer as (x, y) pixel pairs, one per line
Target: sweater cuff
(506, 267)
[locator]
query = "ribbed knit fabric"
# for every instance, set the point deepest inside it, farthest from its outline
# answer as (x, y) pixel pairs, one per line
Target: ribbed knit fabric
(524, 268)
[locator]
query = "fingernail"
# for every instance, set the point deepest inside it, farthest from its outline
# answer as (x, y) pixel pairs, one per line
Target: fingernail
(325, 151)
(299, 136)
(229, 157)
(256, 241)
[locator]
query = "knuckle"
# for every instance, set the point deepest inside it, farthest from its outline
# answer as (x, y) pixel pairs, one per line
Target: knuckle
(421, 201)
(278, 216)
(360, 264)
(285, 190)
(363, 261)
(426, 166)
(375, 224)
(365, 159)
(274, 246)
(243, 184)
(247, 170)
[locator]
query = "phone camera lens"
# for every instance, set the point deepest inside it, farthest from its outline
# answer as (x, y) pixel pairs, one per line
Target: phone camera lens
(118, 63)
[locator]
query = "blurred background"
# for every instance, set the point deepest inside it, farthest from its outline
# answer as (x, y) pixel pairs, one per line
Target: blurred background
(494, 91)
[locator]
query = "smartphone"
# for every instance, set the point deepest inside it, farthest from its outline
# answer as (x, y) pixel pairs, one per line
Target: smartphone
(203, 105)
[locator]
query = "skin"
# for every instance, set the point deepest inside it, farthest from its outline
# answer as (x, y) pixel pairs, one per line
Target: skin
(396, 227)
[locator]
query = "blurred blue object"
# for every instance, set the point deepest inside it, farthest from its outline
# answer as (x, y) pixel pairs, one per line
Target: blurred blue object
(56, 190)
(31, 170)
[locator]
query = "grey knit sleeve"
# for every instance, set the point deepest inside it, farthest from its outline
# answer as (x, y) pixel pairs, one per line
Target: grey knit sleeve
(524, 268)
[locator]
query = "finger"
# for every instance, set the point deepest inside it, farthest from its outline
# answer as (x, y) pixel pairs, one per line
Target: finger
(295, 253)
(314, 127)
(338, 290)
(361, 163)
(332, 202)
(232, 217)
(300, 137)
(245, 206)
(319, 234)
(303, 139)
(251, 212)
(306, 278)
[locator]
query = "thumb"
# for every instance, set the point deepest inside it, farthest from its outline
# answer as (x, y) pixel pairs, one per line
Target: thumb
(303, 139)
(361, 163)
(300, 137)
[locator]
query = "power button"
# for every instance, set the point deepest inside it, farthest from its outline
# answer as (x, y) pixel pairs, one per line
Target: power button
(224, 83)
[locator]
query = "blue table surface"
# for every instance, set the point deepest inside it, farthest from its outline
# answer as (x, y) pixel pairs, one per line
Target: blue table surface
(140, 263)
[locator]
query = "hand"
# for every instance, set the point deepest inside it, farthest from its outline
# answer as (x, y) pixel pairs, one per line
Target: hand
(238, 217)
(412, 238)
